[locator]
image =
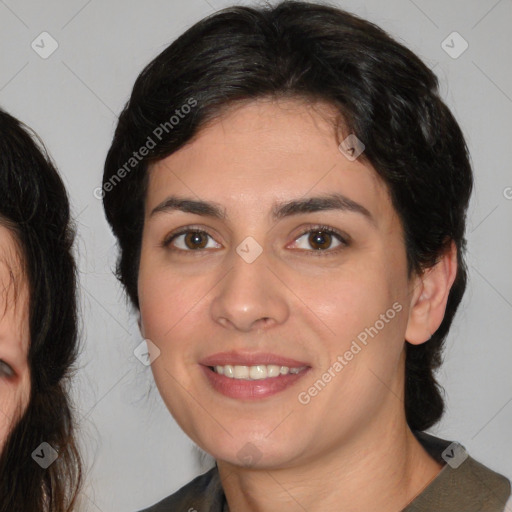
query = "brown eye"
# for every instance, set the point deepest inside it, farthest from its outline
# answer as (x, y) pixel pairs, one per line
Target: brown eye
(321, 239)
(189, 240)
(195, 240)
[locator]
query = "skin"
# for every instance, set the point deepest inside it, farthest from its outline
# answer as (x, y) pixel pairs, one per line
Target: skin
(14, 336)
(293, 302)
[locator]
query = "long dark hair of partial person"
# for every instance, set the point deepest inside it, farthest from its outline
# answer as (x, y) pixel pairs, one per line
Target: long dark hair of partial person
(34, 206)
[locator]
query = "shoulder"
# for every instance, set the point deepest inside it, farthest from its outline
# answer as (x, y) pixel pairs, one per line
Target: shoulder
(481, 485)
(464, 482)
(204, 493)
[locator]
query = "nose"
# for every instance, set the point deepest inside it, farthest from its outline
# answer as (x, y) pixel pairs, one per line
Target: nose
(250, 297)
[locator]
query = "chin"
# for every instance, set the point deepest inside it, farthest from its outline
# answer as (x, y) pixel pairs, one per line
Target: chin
(252, 452)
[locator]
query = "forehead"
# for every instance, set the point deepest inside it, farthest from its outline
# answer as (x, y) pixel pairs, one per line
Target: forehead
(264, 152)
(12, 281)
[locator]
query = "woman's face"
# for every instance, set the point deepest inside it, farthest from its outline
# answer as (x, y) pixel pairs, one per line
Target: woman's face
(14, 336)
(318, 319)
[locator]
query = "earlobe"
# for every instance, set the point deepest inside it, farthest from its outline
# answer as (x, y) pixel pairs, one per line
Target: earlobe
(430, 296)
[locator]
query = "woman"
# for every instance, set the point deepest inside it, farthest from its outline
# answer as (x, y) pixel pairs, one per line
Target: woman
(40, 468)
(289, 193)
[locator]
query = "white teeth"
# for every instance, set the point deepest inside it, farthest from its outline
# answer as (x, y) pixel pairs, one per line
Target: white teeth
(257, 372)
(273, 370)
(241, 372)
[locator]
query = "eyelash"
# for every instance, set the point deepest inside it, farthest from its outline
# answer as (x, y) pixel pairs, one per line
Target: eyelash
(344, 239)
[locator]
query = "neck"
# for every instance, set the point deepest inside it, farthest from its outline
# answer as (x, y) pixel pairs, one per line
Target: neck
(378, 468)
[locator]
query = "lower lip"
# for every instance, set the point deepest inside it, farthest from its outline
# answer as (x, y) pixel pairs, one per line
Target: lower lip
(251, 389)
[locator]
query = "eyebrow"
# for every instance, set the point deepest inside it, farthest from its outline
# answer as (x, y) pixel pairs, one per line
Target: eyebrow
(334, 201)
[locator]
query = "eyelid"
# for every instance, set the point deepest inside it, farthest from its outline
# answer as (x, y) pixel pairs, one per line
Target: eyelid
(344, 239)
(325, 229)
(182, 231)
(6, 369)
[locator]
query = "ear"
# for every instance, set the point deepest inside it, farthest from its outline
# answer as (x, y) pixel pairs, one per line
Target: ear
(429, 297)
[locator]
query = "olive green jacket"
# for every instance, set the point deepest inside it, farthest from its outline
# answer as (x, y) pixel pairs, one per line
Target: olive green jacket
(463, 485)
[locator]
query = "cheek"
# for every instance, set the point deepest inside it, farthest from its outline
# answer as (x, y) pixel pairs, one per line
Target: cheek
(352, 298)
(7, 410)
(366, 314)
(14, 398)
(172, 312)
(15, 390)
(166, 302)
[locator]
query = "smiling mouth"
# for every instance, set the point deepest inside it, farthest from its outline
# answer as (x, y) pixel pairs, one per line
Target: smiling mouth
(256, 372)
(253, 382)
(248, 375)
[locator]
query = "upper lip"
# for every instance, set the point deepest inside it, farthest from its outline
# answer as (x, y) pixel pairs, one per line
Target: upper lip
(250, 359)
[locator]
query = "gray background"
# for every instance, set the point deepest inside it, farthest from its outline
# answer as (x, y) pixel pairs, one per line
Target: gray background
(135, 454)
